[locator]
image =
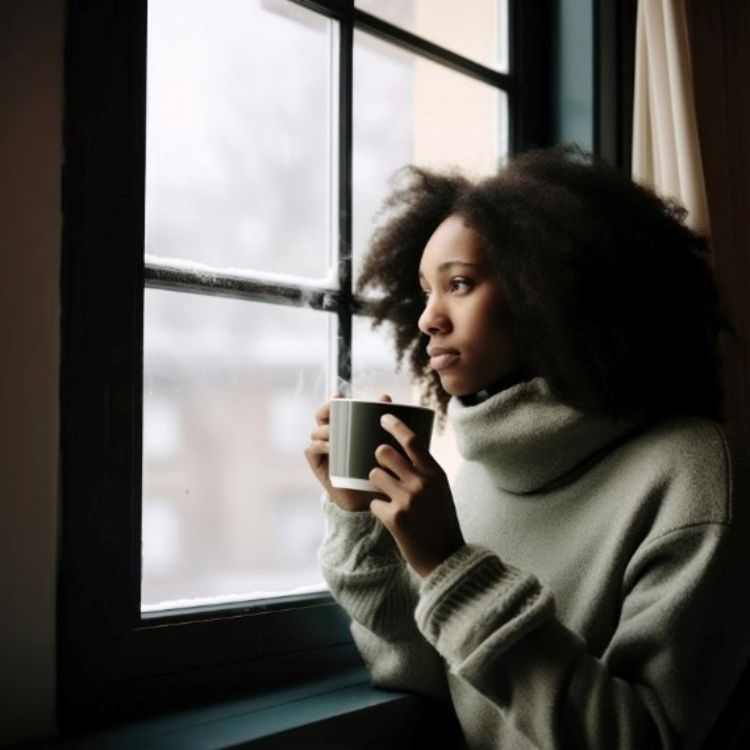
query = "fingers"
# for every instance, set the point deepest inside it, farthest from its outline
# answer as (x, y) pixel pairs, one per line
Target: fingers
(381, 510)
(323, 413)
(317, 448)
(389, 458)
(321, 432)
(408, 440)
(316, 454)
(384, 483)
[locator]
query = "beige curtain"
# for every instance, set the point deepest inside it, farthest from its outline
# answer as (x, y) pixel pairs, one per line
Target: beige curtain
(666, 149)
(691, 141)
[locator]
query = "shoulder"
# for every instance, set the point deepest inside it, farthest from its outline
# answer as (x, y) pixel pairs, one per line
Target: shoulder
(687, 446)
(700, 472)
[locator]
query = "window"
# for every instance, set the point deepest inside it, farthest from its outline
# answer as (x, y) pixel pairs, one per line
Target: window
(223, 164)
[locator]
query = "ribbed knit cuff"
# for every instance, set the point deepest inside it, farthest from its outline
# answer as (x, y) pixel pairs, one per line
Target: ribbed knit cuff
(355, 541)
(473, 606)
(366, 573)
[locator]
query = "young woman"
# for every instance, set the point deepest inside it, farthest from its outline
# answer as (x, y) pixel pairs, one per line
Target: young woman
(582, 581)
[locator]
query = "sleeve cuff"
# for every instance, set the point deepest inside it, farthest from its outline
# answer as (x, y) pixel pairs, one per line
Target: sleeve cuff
(366, 573)
(355, 541)
(473, 606)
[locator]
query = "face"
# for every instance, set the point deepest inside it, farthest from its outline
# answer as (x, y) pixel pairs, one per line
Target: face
(466, 316)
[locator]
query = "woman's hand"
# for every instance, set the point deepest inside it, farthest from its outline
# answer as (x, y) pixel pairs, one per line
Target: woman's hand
(316, 454)
(421, 515)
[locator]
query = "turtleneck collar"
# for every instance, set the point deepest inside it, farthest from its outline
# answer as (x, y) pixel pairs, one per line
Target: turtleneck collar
(517, 376)
(531, 441)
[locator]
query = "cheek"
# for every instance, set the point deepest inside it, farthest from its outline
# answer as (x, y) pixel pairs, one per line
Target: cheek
(494, 336)
(489, 322)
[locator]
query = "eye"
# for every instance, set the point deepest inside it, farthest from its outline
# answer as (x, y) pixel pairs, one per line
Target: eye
(460, 284)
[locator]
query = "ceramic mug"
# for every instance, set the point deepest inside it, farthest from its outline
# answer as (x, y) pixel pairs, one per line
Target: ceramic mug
(356, 432)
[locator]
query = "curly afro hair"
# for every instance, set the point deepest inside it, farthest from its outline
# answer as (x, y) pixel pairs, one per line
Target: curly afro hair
(612, 297)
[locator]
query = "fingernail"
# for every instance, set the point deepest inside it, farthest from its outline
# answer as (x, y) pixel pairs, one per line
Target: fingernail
(387, 420)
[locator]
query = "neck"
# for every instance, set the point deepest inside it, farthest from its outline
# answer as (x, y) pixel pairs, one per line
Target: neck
(515, 377)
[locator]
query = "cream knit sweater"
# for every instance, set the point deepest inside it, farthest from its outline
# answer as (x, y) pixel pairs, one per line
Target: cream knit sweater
(601, 600)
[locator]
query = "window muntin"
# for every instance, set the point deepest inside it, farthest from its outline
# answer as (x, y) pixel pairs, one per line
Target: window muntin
(115, 661)
(238, 188)
(477, 30)
(426, 114)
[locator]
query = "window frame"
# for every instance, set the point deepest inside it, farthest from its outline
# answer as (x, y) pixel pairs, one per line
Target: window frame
(114, 662)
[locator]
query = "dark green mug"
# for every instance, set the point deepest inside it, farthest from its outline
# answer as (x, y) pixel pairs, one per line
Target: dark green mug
(356, 432)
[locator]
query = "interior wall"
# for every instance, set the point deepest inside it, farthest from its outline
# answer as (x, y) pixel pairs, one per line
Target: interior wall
(31, 82)
(720, 49)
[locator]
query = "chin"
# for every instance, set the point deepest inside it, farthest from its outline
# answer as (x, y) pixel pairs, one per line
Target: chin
(460, 388)
(456, 389)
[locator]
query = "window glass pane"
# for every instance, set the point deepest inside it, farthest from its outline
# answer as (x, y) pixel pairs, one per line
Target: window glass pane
(410, 110)
(477, 29)
(239, 154)
(230, 508)
(374, 373)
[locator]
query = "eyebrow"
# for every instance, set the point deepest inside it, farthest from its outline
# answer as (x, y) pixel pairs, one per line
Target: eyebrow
(447, 265)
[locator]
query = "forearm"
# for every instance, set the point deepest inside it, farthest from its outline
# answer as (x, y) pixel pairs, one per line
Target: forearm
(409, 664)
(366, 574)
(496, 628)
(369, 579)
(559, 696)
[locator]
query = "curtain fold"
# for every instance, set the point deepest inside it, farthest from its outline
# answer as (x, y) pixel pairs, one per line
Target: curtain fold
(666, 148)
(691, 124)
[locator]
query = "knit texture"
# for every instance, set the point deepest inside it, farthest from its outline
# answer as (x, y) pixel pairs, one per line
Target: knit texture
(530, 440)
(365, 572)
(473, 596)
(600, 600)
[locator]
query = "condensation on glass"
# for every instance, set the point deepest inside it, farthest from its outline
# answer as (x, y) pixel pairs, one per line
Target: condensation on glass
(475, 29)
(241, 165)
(230, 508)
(239, 149)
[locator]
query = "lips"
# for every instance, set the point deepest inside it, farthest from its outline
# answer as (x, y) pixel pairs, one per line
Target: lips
(442, 358)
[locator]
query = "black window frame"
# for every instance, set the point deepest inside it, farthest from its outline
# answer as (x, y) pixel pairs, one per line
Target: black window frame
(113, 662)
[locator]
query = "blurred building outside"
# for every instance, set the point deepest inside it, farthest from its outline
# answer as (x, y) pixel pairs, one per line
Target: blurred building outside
(241, 165)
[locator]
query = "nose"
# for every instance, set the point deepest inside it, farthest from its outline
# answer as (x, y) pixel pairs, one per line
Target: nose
(433, 319)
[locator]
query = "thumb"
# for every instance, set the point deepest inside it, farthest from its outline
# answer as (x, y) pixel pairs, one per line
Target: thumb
(379, 509)
(386, 397)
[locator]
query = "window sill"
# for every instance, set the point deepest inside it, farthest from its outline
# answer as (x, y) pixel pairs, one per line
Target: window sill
(334, 713)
